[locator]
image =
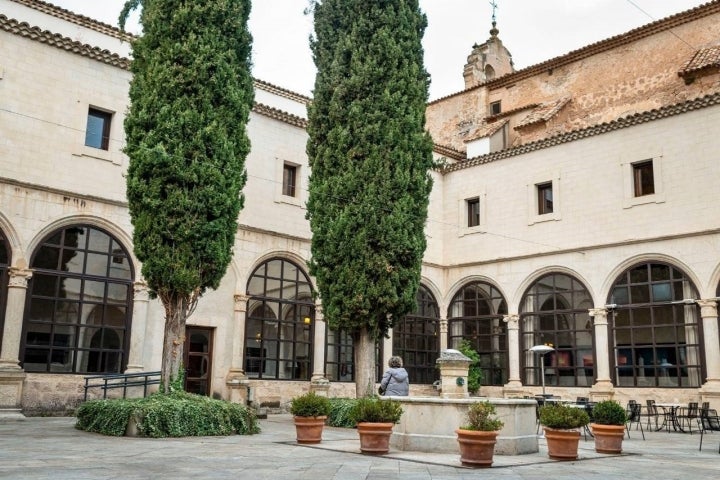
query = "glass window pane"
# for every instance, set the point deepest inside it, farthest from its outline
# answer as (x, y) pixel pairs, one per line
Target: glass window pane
(639, 294)
(97, 264)
(661, 292)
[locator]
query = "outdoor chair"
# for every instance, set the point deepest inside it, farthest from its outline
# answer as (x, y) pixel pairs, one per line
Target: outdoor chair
(709, 422)
(651, 412)
(688, 415)
(634, 414)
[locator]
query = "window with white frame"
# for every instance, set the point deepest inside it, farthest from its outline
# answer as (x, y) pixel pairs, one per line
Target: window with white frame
(642, 182)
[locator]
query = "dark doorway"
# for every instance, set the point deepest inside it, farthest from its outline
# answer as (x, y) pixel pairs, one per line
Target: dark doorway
(198, 359)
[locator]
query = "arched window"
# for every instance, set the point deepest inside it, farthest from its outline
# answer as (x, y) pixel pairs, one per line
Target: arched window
(476, 314)
(339, 356)
(416, 341)
(279, 327)
(655, 328)
(554, 311)
(4, 264)
(80, 304)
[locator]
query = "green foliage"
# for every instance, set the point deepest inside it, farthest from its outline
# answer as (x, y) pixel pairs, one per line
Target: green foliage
(310, 405)
(177, 414)
(190, 100)
(609, 412)
(376, 409)
(340, 409)
(479, 418)
(370, 158)
(557, 415)
(474, 372)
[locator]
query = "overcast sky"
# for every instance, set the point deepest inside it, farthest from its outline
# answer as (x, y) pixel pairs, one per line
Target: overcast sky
(533, 31)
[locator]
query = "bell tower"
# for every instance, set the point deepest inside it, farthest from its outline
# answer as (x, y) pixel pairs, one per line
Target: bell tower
(488, 60)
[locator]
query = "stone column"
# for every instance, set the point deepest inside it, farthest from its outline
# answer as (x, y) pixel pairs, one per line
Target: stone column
(319, 383)
(710, 391)
(603, 387)
(236, 381)
(17, 289)
(141, 299)
(11, 375)
(443, 333)
(514, 387)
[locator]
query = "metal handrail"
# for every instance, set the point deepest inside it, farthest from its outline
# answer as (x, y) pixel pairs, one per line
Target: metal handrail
(121, 380)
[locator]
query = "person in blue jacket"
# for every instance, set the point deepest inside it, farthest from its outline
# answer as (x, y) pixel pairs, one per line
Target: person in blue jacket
(395, 381)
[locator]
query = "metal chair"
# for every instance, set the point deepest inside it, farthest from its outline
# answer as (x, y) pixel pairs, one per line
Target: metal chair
(688, 415)
(709, 422)
(651, 412)
(634, 410)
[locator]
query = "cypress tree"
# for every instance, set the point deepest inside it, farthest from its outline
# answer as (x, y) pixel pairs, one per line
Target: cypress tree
(190, 99)
(370, 158)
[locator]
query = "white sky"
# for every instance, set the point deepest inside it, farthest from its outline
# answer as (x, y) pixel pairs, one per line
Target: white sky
(533, 31)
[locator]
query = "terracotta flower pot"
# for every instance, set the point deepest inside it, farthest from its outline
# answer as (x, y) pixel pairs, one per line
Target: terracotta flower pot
(562, 444)
(374, 437)
(476, 447)
(608, 438)
(309, 429)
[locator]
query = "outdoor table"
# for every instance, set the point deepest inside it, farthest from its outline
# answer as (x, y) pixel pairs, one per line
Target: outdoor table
(670, 414)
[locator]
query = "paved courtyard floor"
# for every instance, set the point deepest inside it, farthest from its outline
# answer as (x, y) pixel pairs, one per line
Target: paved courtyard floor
(51, 448)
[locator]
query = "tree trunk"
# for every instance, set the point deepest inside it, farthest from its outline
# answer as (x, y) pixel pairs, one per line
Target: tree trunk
(364, 345)
(176, 313)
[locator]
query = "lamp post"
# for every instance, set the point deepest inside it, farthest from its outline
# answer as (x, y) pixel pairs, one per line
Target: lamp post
(542, 350)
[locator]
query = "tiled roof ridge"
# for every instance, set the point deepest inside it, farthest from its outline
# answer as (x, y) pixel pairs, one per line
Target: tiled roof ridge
(282, 92)
(280, 115)
(76, 18)
(449, 152)
(586, 132)
(57, 40)
(486, 130)
(630, 36)
(543, 112)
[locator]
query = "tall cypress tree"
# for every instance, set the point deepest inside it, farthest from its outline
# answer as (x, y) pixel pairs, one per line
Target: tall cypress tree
(190, 100)
(370, 158)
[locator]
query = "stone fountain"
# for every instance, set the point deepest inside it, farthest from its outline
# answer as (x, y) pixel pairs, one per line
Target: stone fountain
(428, 423)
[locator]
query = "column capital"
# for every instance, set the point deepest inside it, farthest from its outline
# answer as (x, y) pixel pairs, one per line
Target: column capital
(599, 315)
(513, 321)
(708, 308)
(141, 291)
(19, 277)
(240, 302)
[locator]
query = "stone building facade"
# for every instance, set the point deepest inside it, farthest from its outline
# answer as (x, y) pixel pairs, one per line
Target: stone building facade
(572, 206)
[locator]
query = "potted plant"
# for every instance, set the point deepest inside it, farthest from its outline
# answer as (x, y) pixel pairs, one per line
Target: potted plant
(478, 436)
(375, 418)
(561, 424)
(310, 412)
(608, 426)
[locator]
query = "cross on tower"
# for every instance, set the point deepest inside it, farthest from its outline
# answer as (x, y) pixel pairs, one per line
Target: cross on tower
(494, 6)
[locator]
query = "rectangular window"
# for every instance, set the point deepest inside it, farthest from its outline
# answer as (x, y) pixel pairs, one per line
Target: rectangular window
(289, 180)
(643, 178)
(495, 108)
(473, 212)
(545, 198)
(97, 133)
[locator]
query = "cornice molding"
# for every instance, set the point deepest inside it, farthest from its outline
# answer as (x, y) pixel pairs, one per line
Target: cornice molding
(579, 134)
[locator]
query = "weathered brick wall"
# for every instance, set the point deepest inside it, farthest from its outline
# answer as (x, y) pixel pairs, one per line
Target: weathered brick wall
(636, 75)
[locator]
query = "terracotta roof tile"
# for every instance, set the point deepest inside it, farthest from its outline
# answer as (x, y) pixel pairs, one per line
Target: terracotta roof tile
(618, 124)
(665, 24)
(449, 152)
(543, 112)
(702, 59)
(486, 130)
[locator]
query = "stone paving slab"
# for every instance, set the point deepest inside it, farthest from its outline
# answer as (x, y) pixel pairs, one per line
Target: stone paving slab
(51, 448)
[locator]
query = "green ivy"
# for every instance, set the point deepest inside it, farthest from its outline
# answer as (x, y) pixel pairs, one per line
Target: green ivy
(340, 409)
(474, 372)
(176, 414)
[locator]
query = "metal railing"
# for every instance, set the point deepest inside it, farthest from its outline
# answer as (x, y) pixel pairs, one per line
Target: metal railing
(122, 380)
